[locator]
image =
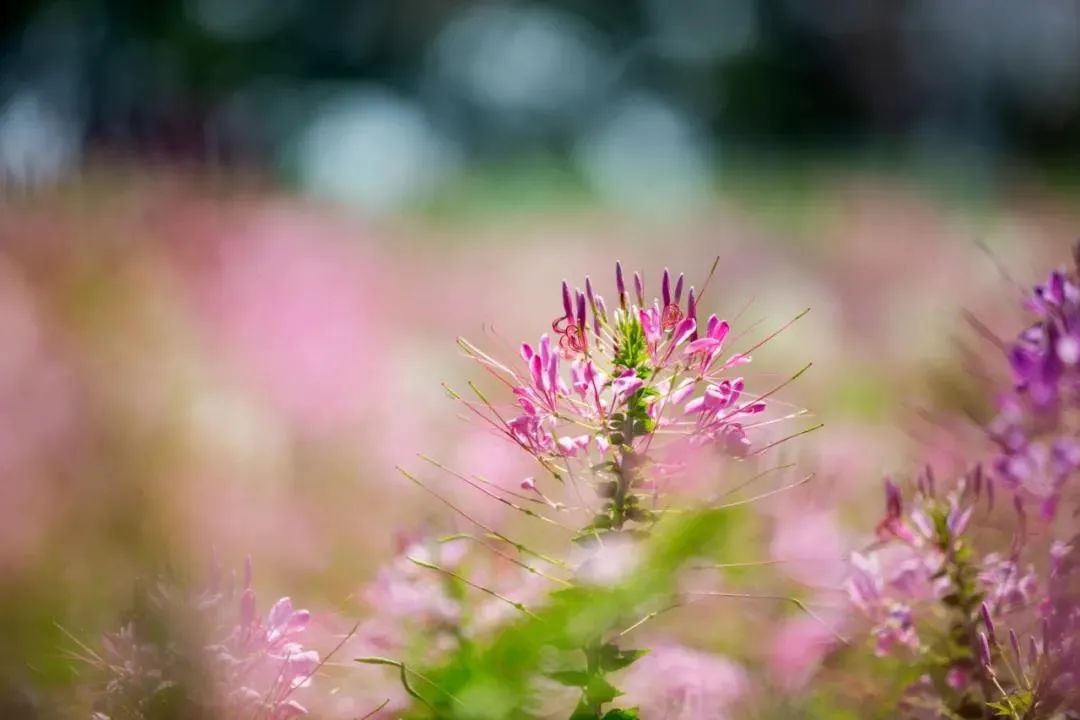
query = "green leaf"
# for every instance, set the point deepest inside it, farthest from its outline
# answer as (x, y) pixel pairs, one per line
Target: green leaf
(584, 712)
(622, 714)
(599, 522)
(572, 678)
(613, 658)
(640, 515)
(600, 691)
(1003, 710)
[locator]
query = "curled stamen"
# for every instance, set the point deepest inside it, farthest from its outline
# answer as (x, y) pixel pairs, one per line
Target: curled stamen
(573, 339)
(671, 316)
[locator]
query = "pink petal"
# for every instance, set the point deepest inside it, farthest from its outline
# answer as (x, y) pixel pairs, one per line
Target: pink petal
(684, 330)
(681, 393)
(701, 345)
(718, 330)
(694, 406)
(280, 613)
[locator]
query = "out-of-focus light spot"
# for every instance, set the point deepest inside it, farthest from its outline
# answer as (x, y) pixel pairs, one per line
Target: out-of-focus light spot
(37, 144)
(646, 156)
(523, 61)
(371, 149)
(967, 47)
(1043, 54)
(702, 30)
(239, 20)
(831, 17)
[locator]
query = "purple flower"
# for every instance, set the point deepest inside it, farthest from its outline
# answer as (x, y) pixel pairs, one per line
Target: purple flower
(1008, 588)
(1039, 452)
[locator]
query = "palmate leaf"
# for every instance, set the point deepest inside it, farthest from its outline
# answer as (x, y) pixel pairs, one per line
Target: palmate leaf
(495, 681)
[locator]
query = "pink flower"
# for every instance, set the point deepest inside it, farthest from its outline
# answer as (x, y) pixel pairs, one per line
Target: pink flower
(626, 384)
(570, 446)
(1008, 587)
(547, 385)
(529, 430)
(716, 409)
(255, 664)
(882, 597)
(674, 682)
(583, 374)
(711, 344)
(797, 650)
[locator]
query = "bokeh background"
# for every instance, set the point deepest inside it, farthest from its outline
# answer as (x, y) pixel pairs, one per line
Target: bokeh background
(238, 239)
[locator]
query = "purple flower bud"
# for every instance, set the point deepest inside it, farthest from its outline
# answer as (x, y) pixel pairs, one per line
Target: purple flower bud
(989, 493)
(665, 288)
(1021, 528)
(958, 518)
(977, 480)
(580, 309)
(568, 307)
(601, 308)
(1033, 653)
(691, 311)
(589, 293)
(930, 481)
(639, 289)
(988, 621)
(1014, 642)
(894, 507)
(620, 284)
(678, 289)
(984, 649)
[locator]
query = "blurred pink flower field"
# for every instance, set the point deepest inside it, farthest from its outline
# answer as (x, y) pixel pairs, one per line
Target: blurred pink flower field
(190, 381)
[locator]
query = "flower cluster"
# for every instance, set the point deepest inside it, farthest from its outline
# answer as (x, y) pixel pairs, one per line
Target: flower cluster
(646, 385)
(624, 402)
(993, 637)
(1037, 428)
(229, 662)
(924, 577)
(911, 562)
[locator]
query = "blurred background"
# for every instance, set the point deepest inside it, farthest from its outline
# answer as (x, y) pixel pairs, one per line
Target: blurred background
(238, 239)
(390, 106)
